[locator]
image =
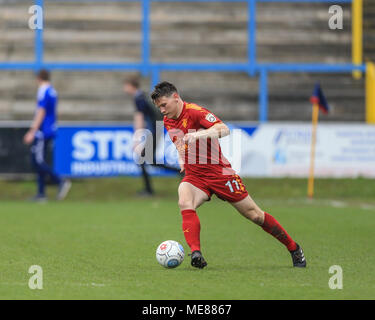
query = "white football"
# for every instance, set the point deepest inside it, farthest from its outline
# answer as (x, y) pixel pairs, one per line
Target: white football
(170, 254)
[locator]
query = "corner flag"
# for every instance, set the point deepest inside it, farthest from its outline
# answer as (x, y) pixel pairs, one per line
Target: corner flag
(319, 102)
(319, 99)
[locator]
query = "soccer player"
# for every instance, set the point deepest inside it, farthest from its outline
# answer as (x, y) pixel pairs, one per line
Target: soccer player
(208, 172)
(41, 134)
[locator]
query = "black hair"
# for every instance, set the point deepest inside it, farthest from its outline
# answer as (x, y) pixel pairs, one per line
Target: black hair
(163, 89)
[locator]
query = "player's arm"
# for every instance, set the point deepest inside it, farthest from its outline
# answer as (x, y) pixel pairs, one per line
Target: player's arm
(138, 123)
(218, 130)
(38, 119)
(138, 136)
(138, 120)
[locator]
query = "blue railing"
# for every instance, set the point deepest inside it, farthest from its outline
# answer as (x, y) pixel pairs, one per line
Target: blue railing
(146, 67)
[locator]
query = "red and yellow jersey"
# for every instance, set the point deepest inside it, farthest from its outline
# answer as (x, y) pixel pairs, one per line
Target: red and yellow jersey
(205, 156)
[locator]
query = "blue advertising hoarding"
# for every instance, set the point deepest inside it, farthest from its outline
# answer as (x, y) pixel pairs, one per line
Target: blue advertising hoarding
(89, 151)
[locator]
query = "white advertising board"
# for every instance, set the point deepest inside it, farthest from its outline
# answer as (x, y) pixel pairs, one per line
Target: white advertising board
(283, 150)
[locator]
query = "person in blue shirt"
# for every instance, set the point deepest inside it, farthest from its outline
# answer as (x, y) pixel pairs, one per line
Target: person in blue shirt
(41, 134)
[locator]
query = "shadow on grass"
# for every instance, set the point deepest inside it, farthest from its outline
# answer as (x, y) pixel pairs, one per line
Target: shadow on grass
(242, 268)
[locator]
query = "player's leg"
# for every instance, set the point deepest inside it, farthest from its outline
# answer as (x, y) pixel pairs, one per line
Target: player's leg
(148, 191)
(232, 189)
(39, 152)
(41, 160)
(190, 198)
(36, 154)
(41, 195)
(64, 185)
(249, 209)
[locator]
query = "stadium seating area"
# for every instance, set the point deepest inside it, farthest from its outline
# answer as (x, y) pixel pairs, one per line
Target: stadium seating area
(369, 29)
(184, 32)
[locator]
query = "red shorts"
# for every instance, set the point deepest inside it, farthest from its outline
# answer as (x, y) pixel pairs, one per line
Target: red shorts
(226, 187)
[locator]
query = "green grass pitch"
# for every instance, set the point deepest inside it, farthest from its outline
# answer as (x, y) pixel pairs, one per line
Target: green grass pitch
(101, 242)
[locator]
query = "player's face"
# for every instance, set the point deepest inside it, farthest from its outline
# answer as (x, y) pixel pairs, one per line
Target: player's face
(168, 106)
(129, 89)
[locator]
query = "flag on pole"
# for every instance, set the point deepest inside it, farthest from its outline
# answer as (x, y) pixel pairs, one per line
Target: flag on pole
(318, 101)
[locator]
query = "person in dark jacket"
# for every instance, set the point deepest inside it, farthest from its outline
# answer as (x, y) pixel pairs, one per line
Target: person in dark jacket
(144, 118)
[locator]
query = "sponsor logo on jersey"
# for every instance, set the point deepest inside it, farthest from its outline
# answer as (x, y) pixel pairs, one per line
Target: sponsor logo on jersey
(210, 117)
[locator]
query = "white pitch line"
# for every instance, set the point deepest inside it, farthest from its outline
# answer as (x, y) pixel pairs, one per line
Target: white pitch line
(338, 204)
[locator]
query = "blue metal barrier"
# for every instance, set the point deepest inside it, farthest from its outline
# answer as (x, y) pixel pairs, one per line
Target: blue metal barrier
(146, 67)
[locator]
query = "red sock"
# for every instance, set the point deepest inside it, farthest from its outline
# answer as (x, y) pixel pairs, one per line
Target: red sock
(191, 227)
(274, 228)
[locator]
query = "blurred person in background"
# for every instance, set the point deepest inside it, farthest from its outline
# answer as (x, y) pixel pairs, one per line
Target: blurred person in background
(41, 134)
(145, 117)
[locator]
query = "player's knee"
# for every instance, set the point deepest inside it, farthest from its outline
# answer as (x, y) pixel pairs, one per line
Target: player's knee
(185, 204)
(256, 216)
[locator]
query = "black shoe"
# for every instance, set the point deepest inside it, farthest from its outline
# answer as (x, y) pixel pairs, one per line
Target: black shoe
(298, 257)
(197, 260)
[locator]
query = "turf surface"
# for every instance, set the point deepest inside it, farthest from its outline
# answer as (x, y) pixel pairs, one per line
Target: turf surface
(101, 242)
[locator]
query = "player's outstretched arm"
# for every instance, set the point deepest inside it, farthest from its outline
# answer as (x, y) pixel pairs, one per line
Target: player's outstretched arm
(218, 130)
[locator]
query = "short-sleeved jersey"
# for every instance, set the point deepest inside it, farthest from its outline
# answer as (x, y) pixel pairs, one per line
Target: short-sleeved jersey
(205, 157)
(47, 99)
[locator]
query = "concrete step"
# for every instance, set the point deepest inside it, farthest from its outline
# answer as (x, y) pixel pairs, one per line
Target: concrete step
(181, 32)
(233, 96)
(106, 85)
